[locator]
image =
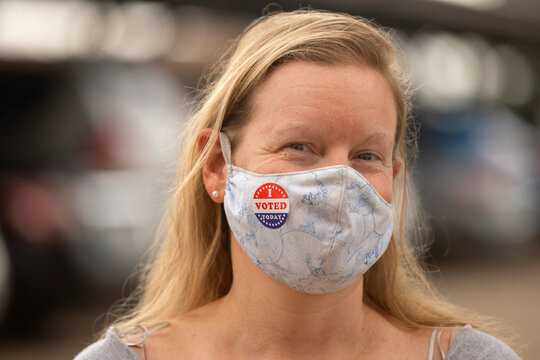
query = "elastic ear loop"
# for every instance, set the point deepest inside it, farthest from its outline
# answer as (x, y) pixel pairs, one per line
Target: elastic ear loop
(225, 147)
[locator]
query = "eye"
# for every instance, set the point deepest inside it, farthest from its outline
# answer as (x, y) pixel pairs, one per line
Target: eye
(298, 147)
(368, 157)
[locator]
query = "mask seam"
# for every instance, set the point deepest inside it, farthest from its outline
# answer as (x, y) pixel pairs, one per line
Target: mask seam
(338, 220)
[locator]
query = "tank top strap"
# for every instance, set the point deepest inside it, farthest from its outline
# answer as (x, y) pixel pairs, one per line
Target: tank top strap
(135, 336)
(435, 335)
(443, 355)
(431, 344)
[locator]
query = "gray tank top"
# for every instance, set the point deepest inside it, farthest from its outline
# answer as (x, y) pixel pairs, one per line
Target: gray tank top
(469, 344)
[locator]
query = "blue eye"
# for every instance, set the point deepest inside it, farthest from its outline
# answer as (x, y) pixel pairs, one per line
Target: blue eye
(367, 157)
(299, 147)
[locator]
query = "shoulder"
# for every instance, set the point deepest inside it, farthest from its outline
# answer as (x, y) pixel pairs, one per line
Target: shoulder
(109, 348)
(474, 344)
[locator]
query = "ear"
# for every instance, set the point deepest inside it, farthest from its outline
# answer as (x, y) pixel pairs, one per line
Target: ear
(396, 166)
(214, 169)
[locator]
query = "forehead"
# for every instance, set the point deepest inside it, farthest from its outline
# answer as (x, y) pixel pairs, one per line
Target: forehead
(331, 97)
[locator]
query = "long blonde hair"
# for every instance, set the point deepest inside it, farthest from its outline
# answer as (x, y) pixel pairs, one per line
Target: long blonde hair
(190, 263)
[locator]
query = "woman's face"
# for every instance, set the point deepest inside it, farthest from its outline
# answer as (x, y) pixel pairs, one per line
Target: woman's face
(307, 116)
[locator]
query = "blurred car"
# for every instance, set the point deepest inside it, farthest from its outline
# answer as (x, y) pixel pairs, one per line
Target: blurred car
(86, 156)
(480, 179)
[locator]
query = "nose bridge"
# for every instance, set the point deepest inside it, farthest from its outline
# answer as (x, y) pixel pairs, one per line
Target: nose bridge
(337, 155)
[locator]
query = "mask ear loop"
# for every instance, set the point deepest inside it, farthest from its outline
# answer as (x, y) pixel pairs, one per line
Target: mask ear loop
(225, 147)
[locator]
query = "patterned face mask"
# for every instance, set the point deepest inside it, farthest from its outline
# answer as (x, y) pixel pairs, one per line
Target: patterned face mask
(316, 231)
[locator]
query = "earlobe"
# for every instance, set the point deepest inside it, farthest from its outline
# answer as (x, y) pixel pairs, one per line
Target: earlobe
(214, 168)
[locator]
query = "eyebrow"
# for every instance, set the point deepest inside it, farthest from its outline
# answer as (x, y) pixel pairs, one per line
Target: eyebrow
(379, 136)
(285, 130)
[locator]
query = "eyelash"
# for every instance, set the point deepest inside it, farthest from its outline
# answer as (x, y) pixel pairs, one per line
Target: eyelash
(372, 156)
(293, 146)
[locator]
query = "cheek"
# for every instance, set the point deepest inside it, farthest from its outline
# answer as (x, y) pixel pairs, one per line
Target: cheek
(383, 185)
(264, 161)
(259, 163)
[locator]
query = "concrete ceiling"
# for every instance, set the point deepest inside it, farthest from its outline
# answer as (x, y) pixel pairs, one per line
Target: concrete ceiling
(517, 20)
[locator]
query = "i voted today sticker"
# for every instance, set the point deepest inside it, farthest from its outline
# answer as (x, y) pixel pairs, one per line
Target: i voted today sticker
(271, 205)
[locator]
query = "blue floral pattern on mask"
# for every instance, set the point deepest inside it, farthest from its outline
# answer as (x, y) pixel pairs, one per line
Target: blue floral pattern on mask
(337, 226)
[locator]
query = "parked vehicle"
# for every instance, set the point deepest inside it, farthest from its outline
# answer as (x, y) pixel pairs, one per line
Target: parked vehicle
(86, 156)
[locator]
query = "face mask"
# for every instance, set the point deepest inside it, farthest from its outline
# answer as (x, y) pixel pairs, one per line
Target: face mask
(316, 231)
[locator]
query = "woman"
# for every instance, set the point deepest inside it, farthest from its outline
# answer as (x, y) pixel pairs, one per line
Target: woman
(286, 236)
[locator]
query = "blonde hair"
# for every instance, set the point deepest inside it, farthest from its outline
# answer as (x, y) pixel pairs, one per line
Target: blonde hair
(190, 264)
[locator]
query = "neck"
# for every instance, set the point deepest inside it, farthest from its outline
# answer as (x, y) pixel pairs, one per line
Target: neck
(267, 316)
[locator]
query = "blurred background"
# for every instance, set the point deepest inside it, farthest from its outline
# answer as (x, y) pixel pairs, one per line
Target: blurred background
(93, 96)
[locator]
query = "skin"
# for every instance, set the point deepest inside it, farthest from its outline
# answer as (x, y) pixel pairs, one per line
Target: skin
(305, 116)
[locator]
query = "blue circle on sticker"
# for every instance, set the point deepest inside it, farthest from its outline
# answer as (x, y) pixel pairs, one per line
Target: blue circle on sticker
(271, 205)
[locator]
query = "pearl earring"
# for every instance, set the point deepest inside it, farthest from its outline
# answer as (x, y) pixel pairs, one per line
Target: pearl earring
(215, 194)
